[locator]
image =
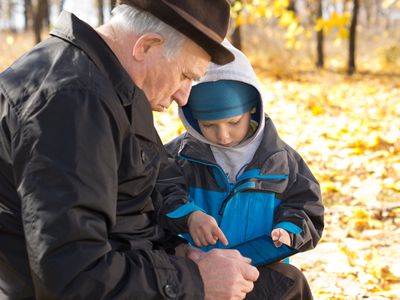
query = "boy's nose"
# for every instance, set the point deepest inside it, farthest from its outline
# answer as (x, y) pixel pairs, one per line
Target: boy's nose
(223, 137)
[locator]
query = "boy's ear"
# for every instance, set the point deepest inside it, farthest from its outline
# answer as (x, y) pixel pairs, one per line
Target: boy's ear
(253, 110)
(145, 44)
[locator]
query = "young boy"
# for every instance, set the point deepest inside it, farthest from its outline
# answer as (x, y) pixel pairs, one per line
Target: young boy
(240, 172)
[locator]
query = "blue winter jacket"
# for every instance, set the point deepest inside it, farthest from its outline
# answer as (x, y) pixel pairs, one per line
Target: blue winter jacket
(276, 190)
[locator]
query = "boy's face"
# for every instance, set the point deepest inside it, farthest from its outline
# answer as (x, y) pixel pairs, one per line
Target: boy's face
(227, 132)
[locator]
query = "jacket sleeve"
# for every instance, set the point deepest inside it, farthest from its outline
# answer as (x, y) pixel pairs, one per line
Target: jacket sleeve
(173, 207)
(66, 170)
(301, 211)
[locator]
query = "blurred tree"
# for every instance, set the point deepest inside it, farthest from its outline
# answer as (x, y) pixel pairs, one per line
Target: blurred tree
(46, 13)
(320, 38)
(368, 11)
(292, 6)
(27, 13)
(6, 14)
(352, 38)
(100, 11)
(39, 14)
(236, 37)
(112, 4)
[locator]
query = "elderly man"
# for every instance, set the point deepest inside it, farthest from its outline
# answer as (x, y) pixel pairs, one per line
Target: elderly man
(79, 159)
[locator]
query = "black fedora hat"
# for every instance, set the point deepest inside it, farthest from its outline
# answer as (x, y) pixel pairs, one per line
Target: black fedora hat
(203, 21)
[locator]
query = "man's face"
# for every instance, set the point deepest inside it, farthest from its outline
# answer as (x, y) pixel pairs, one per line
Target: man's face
(226, 132)
(171, 80)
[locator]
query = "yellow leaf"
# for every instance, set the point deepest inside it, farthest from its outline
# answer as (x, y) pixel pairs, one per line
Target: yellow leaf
(360, 224)
(337, 42)
(181, 129)
(387, 275)
(372, 140)
(269, 12)
(308, 34)
(319, 25)
(343, 33)
(352, 255)
(237, 6)
(261, 11)
(373, 263)
(329, 186)
(279, 5)
(287, 18)
(317, 109)
(10, 40)
(239, 21)
(387, 3)
(395, 186)
(359, 219)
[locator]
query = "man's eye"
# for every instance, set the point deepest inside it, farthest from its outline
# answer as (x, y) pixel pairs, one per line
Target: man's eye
(235, 123)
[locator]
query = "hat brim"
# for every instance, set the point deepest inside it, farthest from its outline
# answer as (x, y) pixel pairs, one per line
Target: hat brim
(191, 28)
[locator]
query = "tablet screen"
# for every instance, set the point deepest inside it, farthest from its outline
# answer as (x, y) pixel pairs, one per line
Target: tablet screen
(262, 251)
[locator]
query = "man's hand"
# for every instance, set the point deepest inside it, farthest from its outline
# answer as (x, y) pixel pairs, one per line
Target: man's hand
(182, 250)
(204, 229)
(226, 274)
(280, 236)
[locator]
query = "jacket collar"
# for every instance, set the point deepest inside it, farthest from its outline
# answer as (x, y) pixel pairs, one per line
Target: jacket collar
(195, 149)
(270, 145)
(271, 158)
(81, 35)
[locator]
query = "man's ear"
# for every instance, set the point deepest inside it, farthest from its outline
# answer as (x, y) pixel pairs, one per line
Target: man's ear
(145, 43)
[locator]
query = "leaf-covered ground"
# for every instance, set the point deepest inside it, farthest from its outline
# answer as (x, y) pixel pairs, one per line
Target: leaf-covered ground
(348, 130)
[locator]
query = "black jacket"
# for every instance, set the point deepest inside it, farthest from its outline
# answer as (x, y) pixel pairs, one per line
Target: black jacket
(79, 160)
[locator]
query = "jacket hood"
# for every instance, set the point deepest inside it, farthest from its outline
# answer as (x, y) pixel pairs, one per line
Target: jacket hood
(240, 70)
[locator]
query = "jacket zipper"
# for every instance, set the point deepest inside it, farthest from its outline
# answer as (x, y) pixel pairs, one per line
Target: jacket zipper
(233, 190)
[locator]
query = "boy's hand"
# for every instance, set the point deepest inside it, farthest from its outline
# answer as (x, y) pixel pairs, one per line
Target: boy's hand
(204, 229)
(280, 236)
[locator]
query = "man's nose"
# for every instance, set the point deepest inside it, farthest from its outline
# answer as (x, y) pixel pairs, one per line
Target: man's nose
(182, 95)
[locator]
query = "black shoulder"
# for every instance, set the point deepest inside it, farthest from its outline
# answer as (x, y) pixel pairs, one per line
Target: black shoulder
(174, 145)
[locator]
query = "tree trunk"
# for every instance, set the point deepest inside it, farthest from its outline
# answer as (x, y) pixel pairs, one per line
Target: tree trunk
(38, 14)
(352, 38)
(46, 13)
(236, 36)
(320, 39)
(100, 12)
(378, 12)
(292, 6)
(27, 13)
(368, 12)
(7, 14)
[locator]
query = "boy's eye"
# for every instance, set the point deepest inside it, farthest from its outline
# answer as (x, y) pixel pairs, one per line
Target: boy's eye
(235, 123)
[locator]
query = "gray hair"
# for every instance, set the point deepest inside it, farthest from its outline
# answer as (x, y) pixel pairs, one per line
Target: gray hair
(139, 22)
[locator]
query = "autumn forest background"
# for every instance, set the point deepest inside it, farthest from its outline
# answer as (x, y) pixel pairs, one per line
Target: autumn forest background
(330, 71)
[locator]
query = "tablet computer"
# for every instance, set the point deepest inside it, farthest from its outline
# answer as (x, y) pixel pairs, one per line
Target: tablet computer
(262, 250)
